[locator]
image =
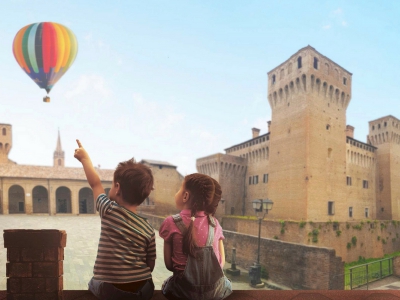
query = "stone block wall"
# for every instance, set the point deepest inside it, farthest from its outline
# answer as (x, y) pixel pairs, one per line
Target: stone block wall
(34, 266)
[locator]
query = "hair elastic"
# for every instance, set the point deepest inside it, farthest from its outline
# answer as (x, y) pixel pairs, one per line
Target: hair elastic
(193, 218)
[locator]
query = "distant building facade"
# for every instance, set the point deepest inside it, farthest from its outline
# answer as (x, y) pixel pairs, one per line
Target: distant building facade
(309, 163)
(29, 189)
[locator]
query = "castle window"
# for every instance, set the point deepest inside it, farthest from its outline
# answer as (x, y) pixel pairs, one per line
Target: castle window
(331, 208)
(250, 180)
(255, 179)
(4, 131)
(348, 181)
(328, 126)
(344, 80)
(160, 167)
(315, 63)
(299, 62)
(379, 126)
(366, 213)
(265, 178)
(365, 184)
(350, 212)
(373, 127)
(273, 79)
(385, 124)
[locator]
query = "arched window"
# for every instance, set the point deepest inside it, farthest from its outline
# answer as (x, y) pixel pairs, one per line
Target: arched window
(315, 63)
(4, 131)
(273, 79)
(299, 65)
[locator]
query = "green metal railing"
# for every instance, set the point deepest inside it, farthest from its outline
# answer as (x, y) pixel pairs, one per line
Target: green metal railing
(362, 275)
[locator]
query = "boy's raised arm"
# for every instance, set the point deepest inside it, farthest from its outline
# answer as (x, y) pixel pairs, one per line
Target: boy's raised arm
(91, 174)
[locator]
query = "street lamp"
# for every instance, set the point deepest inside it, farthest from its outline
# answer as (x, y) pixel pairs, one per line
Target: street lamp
(261, 208)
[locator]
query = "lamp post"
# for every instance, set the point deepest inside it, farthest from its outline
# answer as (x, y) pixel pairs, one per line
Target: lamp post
(261, 208)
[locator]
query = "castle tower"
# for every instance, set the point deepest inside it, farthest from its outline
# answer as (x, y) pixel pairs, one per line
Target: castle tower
(58, 157)
(384, 133)
(308, 95)
(5, 142)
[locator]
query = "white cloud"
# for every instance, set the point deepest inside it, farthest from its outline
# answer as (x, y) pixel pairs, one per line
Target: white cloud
(338, 11)
(93, 83)
(337, 18)
(326, 27)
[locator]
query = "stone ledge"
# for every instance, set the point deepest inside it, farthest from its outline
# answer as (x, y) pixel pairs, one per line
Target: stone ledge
(34, 238)
(262, 295)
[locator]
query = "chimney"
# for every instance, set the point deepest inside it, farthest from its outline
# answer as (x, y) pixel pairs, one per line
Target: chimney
(350, 131)
(256, 132)
(269, 125)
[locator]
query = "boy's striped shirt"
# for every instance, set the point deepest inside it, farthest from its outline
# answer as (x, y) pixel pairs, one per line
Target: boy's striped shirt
(126, 241)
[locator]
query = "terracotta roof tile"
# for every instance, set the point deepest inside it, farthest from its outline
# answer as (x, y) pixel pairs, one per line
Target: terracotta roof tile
(28, 171)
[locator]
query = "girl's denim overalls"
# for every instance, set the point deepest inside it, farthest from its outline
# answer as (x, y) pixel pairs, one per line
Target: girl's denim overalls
(203, 277)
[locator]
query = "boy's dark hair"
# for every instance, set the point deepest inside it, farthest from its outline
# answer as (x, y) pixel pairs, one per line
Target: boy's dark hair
(135, 181)
(205, 194)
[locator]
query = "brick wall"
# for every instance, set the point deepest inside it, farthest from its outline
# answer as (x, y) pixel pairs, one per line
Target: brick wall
(374, 239)
(294, 265)
(35, 263)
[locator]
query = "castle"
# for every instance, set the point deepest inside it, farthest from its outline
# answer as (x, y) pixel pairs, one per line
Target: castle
(51, 190)
(309, 163)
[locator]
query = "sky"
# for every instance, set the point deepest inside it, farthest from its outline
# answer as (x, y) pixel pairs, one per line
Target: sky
(179, 80)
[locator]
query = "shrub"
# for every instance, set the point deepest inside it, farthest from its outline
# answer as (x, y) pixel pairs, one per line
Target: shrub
(347, 225)
(302, 224)
(354, 240)
(348, 245)
(338, 232)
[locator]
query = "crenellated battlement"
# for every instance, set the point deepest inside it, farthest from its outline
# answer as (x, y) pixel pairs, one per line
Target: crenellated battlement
(222, 164)
(384, 130)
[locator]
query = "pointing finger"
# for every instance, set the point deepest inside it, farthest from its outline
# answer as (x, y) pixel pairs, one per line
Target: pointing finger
(79, 143)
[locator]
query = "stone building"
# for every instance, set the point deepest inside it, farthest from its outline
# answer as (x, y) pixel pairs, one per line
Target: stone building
(50, 190)
(309, 163)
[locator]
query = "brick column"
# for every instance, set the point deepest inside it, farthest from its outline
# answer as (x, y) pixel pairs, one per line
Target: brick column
(35, 263)
(396, 266)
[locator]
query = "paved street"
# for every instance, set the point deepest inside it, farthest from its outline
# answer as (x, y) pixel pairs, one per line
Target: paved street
(82, 239)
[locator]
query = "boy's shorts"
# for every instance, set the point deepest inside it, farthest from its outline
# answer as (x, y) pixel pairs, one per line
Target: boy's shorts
(105, 291)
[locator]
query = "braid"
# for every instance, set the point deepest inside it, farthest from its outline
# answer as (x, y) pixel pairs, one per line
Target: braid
(202, 190)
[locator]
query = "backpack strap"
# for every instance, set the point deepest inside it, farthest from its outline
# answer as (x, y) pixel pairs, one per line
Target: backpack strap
(179, 223)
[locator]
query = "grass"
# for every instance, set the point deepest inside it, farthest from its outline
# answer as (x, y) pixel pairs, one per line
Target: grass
(374, 271)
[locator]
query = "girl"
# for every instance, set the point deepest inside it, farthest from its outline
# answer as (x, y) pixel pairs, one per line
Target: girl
(193, 247)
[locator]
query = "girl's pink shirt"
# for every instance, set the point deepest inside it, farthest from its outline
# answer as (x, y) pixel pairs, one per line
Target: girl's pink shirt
(171, 234)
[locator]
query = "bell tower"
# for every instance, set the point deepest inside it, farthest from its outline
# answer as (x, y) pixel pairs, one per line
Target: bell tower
(5, 142)
(308, 95)
(58, 157)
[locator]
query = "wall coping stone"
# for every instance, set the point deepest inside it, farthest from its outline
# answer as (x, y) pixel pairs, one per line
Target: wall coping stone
(33, 238)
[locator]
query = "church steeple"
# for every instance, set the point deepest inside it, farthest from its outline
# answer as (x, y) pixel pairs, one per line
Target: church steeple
(58, 157)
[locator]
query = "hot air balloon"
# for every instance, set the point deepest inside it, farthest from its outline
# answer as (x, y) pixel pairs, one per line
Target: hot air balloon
(45, 51)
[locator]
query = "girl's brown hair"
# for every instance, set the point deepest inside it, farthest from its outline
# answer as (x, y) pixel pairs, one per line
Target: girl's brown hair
(204, 195)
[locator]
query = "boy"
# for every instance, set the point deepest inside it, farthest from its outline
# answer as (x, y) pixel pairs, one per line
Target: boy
(127, 250)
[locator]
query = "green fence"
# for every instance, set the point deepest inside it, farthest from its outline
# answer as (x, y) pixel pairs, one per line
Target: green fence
(362, 275)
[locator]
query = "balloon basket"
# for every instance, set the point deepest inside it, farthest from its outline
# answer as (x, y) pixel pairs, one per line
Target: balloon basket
(46, 99)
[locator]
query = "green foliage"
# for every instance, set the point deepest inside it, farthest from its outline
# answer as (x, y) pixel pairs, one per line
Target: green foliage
(361, 260)
(378, 238)
(347, 225)
(348, 245)
(264, 273)
(329, 222)
(354, 240)
(368, 221)
(314, 235)
(383, 226)
(283, 224)
(358, 226)
(276, 237)
(302, 224)
(338, 232)
(335, 223)
(394, 223)
(311, 222)
(383, 241)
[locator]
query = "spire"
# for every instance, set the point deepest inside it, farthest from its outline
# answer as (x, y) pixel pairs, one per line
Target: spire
(58, 149)
(58, 157)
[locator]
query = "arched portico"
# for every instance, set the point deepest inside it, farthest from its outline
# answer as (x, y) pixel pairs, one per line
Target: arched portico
(63, 200)
(16, 199)
(40, 199)
(86, 201)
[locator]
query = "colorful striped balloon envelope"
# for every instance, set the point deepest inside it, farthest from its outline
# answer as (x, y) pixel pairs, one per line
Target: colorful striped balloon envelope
(45, 51)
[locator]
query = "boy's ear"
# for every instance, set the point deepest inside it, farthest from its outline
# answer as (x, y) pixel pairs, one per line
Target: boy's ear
(118, 188)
